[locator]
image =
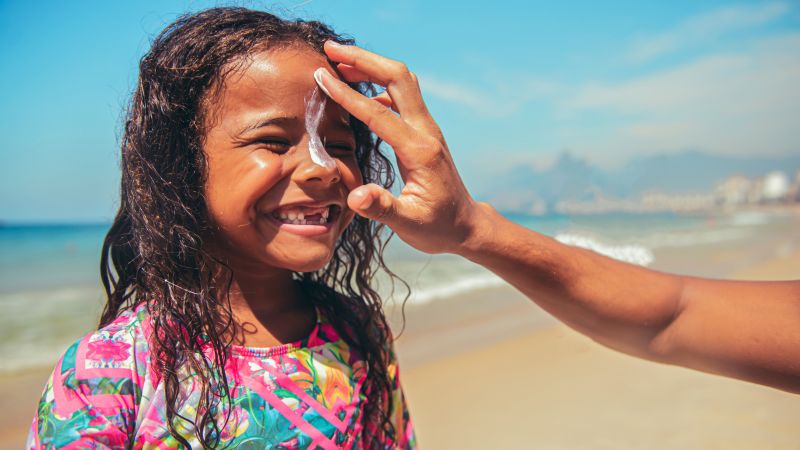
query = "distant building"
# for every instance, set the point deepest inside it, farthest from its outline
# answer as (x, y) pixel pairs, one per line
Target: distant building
(776, 187)
(733, 191)
(658, 202)
(794, 190)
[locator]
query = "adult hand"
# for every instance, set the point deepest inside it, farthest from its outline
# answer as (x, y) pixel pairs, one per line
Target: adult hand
(434, 212)
(746, 330)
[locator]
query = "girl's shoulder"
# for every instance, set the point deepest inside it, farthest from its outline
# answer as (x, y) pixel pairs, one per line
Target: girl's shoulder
(95, 387)
(115, 346)
(113, 358)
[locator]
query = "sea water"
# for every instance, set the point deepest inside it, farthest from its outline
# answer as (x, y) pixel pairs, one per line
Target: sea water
(50, 291)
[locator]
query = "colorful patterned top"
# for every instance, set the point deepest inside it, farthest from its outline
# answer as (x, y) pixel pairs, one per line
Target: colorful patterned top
(103, 394)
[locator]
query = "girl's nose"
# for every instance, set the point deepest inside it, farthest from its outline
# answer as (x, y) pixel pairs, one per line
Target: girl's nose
(308, 171)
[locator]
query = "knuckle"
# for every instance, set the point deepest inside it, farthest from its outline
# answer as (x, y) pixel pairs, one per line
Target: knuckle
(358, 60)
(378, 114)
(430, 144)
(437, 153)
(401, 69)
(386, 209)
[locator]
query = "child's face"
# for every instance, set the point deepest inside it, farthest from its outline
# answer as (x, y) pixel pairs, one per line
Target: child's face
(261, 178)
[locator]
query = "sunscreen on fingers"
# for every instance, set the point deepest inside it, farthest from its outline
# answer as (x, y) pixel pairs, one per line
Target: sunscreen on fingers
(315, 109)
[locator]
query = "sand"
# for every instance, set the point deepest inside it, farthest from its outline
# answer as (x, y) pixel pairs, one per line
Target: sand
(490, 370)
(20, 393)
(556, 389)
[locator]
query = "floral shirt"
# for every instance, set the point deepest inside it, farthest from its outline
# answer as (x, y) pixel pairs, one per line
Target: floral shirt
(104, 394)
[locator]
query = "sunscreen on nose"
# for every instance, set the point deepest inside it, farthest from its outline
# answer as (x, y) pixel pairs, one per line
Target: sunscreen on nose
(315, 109)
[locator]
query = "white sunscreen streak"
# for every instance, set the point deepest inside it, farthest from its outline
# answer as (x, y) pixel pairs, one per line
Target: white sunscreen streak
(315, 108)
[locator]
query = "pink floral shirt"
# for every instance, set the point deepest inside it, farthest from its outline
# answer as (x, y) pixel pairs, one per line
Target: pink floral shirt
(309, 394)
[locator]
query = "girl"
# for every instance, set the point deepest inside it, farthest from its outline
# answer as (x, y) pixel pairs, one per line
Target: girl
(239, 309)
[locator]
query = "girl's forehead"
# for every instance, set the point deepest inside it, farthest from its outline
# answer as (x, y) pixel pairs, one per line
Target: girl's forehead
(274, 75)
(275, 82)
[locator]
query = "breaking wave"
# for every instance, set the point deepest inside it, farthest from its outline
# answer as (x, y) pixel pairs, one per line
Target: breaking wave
(635, 254)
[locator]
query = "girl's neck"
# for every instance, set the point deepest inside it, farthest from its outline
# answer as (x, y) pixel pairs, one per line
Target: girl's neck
(269, 308)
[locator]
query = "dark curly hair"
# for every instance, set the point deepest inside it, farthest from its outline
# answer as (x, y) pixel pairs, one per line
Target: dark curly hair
(154, 252)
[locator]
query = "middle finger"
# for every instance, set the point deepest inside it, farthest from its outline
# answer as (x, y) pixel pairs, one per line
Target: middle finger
(393, 75)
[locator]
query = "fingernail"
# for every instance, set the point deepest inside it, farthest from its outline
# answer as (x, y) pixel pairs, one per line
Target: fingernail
(333, 43)
(319, 74)
(367, 202)
(366, 199)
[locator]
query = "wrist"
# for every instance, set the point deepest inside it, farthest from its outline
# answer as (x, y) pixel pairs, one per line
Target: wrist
(481, 223)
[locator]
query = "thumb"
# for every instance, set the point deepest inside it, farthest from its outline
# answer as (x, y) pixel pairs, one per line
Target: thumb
(373, 202)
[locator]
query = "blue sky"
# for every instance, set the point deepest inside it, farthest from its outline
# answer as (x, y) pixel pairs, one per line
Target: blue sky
(510, 83)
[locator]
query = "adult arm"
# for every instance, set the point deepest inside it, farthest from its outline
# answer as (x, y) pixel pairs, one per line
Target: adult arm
(746, 330)
(741, 329)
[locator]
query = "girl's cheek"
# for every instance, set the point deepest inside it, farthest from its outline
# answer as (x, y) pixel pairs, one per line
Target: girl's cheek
(351, 174)
(237, 186)
(262, 171)
(262, 168)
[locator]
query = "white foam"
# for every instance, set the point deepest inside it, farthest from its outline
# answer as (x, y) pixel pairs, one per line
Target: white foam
(40, 324)
(455, 287)
(635, 254)
(750, 218)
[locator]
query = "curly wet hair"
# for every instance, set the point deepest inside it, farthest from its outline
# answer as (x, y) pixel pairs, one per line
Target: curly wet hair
(154, 252)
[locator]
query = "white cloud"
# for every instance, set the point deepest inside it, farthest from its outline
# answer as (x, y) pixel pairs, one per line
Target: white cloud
(498, 100)
(737, 103)
(453, 92)
(705, 27)
(743, 101)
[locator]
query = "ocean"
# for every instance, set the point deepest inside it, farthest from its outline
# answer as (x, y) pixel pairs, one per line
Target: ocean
(51, 294)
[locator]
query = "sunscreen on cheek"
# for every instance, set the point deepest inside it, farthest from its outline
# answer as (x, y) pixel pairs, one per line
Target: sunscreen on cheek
(315, 108)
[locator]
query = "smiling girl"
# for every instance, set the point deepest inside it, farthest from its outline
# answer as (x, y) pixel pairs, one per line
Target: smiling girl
(239, 311)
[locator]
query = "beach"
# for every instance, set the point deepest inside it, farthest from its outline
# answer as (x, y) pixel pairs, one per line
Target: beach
(552, 388)
(481, 365)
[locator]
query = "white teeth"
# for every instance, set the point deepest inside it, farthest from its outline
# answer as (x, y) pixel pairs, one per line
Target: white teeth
(321, 221)
(298, 216)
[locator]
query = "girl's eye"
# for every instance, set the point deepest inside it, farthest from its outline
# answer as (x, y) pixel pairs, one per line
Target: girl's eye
(339, 148)
(275, 145)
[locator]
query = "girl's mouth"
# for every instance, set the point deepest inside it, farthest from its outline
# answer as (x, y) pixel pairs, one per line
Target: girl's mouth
(306, 220)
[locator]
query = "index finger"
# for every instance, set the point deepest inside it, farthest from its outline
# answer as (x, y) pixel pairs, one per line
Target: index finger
(394, 75)
(378, 118)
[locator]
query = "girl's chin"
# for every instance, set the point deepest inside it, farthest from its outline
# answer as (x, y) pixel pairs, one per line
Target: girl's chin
(282, 250)
(308, 262)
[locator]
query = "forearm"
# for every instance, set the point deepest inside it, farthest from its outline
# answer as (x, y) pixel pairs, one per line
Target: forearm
(746, 330)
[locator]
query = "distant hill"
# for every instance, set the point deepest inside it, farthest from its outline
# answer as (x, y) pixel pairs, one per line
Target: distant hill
(694, 171)
(529, 189)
